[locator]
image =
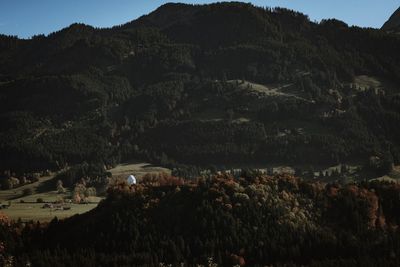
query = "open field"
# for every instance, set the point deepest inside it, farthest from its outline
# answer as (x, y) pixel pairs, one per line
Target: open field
(17, 193)
(393, 176)
(276, 90)
(35, 212)
(27, 208)
(138, 169)
(364, 82)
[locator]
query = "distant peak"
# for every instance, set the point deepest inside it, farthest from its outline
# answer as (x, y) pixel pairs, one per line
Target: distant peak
(393, 24)
(173, 5)
(79, 26)
(74, 29)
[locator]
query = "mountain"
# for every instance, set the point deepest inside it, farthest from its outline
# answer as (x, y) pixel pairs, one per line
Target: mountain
(393, 24)
(223, 84)
(203, 88)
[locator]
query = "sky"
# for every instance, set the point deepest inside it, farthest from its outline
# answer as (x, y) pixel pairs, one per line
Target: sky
(26, 18)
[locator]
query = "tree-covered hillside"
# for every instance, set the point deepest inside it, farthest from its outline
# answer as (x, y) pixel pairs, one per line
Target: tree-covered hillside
(222, 83)
(252, 220)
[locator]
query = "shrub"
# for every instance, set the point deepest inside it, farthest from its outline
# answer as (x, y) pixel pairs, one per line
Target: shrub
(27, 191)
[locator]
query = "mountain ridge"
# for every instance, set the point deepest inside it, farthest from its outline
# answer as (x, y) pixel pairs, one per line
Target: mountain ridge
(393, 24)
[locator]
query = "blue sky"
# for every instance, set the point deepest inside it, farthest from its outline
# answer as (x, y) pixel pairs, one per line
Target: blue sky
(28, 17)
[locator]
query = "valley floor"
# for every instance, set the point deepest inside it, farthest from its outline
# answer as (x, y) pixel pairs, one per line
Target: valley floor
(27, 208)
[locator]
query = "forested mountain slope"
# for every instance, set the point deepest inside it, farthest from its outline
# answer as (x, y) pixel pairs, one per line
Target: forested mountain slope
(201, 84)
